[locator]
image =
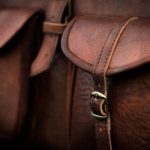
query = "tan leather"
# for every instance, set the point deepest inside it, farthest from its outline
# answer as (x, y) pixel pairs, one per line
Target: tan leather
(88, 37)
(54, 28)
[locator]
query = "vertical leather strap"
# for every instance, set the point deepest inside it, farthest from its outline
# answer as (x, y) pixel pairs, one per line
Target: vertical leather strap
(53, 15)
(103, 125)
(100, 125)
(69, 97)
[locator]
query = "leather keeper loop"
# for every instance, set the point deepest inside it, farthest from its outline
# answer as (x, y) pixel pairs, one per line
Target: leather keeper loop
(55, 28)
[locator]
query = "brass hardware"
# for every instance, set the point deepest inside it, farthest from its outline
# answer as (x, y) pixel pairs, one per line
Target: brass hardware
(103, 105)
(98, 95)
(98, 117)
(103, 108)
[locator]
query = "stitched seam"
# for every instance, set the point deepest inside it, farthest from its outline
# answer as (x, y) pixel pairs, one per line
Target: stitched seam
(114, 43)
(75, 20)
(132, 64)
(105, 84)
(106, 65)
(99, 59)
(100, 54)
(120, 32)
(106, 59)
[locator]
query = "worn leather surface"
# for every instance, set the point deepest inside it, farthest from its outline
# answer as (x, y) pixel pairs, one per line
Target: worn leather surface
(130, 107)
(113, 7)
(45, 125)
(82, 134)
(53, 11)
(38, 4)
(54, 14)
(88, 38)
(129, 91)
(51, 134)
(11, 21)
(48, 122)
(15, 57)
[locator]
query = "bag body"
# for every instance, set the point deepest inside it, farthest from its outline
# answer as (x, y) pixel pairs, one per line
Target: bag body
(95, 43)
(104, 48)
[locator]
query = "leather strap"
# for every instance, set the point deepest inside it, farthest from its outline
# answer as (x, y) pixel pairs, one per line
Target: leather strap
(100, 125)
(103, 126)
(53, 15)
(53, 28)
(69, 94)
(105, 56)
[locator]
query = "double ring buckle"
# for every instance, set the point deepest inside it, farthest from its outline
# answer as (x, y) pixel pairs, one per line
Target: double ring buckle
(103, 105)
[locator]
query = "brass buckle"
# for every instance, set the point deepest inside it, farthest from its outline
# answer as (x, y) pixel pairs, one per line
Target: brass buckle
(103, 105)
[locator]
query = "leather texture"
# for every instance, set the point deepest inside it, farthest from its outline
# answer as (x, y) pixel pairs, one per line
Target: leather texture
(130, 106)
(11, 21)
(82, 124)
(100, 107)
(32, 4)
(54, 28)
(16, 53)
(53, 10)
(44, 58)
(51, 116)
(48, 120)
(124, 8)
(118, 8)
(88, 39)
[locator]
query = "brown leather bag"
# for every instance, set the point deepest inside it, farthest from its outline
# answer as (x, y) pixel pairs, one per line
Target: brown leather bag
(115, 50)
(110, 41)
(94, 95)
(20, 114)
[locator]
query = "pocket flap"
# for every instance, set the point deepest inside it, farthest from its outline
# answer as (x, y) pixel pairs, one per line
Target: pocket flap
(89, 39)
(11, 21)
